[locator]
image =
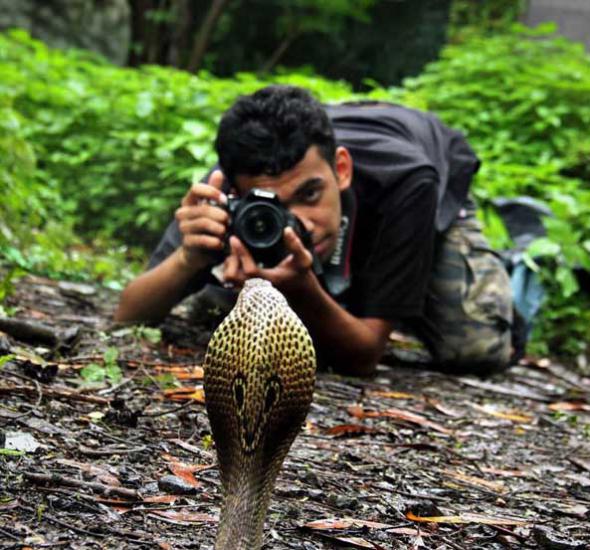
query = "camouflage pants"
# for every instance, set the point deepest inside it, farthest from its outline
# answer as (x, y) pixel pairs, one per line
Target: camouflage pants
(469, 303)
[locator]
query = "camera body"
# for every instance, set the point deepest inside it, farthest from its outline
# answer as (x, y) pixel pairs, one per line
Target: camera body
(259, 220)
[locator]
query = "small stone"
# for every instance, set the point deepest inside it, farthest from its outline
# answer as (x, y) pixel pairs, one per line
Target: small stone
(176, 486)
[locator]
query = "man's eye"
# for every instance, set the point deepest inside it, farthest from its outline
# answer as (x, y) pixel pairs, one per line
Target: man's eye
(311, 195)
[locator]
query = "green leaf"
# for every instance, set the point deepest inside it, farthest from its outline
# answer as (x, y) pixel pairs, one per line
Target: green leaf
(110, 355)
(543, 247)
(5, 359)
(567, 280)
(113, 373)
(11, 452)
(93, 373)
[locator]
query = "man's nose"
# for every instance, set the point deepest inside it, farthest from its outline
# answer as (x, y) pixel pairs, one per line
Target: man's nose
(305, 220)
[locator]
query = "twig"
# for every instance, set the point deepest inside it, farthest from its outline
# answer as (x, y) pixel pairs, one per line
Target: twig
(35, 332)
(9, 534)
(110, 451)
(55, 393)
(52, 519)
(106, 490)
(170, 411)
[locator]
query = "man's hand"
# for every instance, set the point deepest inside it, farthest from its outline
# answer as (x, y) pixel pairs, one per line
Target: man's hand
(290, 275)
(202, 224)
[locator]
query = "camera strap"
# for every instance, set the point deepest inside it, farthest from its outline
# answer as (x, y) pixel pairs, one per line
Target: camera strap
(336, 271)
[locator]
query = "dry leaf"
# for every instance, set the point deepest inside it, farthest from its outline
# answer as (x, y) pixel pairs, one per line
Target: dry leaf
(183, 516)
(569, 406)
(513, 416)
(392, 394)
(349, 429)
(495, 486)
(161, 499)
(183, 372)
(445, 409)
(345, 523)
(358, 412)
(504, 473)
(186, 393)
(466, 518)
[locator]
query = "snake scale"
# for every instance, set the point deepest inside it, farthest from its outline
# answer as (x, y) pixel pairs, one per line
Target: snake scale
(259, 380)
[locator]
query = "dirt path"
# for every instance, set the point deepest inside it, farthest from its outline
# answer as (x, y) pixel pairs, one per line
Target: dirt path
(410, 459)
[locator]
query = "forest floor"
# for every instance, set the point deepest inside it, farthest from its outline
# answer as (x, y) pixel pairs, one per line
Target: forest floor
(408, 459)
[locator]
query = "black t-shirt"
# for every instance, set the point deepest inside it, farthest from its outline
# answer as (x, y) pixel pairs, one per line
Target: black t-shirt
(411, 177)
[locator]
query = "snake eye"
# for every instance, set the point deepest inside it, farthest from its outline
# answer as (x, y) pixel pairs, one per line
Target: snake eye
(273, 391)
(239, 392)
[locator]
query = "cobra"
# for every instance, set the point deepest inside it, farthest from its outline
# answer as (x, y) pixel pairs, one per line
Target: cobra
(259, 380)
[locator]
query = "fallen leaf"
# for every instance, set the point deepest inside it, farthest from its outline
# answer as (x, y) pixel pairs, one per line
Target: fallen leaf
(161, 499)
(185, 465)
(569, 406)
(516, 390)
(466, 518)
(356, 542)
(183, 372)
(186, 393)
(496, 486)
(504, 473)
(580, 462)
(101, 474)
(358, 412)
(349, 429)
(513, 416)
(444, 409)
(392, 394)
(183, 516)
(345, 523)
(183, 470)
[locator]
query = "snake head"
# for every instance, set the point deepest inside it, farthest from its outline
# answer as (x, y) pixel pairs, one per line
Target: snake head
(259, 379)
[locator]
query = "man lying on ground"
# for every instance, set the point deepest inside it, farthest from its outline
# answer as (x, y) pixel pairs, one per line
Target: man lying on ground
(383, 193)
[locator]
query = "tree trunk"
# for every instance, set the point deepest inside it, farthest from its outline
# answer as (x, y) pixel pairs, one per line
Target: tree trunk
(139, 38)
(180, 33)
(203, 36)
(278, 53)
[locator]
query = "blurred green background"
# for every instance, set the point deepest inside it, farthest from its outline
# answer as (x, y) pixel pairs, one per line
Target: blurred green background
(108, 114)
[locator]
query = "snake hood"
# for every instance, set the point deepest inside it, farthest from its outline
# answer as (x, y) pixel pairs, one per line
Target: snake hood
(259, 381)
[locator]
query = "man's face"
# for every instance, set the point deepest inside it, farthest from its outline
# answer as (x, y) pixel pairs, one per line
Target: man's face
(311, 191)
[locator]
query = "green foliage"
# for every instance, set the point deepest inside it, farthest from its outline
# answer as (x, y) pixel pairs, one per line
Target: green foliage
(468, 16)
(109, 370)
(120, 144)
(111, 151)
(521, 96)
(152, 335)
(5, 359)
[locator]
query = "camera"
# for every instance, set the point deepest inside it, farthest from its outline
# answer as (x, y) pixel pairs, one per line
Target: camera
(259, 220)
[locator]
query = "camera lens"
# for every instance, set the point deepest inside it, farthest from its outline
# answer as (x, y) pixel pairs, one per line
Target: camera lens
(260, 225)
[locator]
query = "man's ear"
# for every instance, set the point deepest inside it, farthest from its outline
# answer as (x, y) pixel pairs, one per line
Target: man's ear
(343, 168)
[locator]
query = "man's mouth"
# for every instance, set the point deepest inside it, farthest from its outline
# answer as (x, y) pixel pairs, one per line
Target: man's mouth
(321, 246)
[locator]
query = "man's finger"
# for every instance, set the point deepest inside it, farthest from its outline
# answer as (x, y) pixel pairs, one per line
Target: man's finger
(301, 257)
(209, 242)
(210, 191)
(201, 225)
(188, 213)
(216, 179)
(231, 269)
(247, 263)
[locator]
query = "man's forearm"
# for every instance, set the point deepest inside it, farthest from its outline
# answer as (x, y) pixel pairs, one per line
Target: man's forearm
(351, 345)
(153, 294)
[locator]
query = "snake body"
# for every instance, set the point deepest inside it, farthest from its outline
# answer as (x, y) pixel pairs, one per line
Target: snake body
(259, 381)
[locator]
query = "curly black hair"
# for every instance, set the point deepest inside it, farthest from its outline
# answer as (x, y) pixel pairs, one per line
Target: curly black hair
(270, 131)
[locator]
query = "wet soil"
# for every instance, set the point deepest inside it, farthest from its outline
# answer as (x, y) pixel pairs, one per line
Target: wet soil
(411, 458)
